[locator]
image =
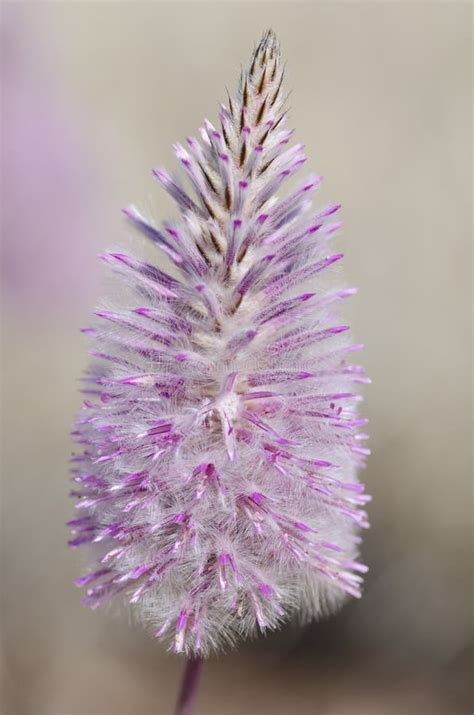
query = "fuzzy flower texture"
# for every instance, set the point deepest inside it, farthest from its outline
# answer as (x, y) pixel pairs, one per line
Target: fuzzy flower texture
(217, 487)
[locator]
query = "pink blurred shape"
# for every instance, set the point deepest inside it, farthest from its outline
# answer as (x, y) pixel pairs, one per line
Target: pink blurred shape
(48, 200)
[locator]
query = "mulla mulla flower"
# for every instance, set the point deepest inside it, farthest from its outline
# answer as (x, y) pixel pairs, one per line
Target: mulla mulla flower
(217, 487)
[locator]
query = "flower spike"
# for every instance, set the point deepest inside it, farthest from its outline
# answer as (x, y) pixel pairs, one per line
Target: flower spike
(216, 482)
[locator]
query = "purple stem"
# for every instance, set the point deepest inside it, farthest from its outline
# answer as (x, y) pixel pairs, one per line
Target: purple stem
(189, 685)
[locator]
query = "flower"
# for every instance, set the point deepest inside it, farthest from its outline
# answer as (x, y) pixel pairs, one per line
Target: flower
(218, 483)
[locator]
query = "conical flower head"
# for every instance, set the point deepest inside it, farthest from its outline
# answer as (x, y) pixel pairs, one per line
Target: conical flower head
(218, 484)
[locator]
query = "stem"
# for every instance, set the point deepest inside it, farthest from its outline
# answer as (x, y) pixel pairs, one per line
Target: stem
(189, 685)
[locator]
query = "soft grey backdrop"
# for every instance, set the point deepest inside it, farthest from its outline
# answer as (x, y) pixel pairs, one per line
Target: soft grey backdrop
(95, 94)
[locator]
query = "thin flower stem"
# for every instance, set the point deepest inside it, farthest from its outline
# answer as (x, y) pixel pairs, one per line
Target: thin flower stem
(189, 686)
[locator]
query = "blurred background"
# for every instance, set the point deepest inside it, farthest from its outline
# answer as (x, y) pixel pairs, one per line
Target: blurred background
(94, 94)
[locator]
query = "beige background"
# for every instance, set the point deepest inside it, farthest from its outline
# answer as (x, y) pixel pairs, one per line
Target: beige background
(381, 97)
